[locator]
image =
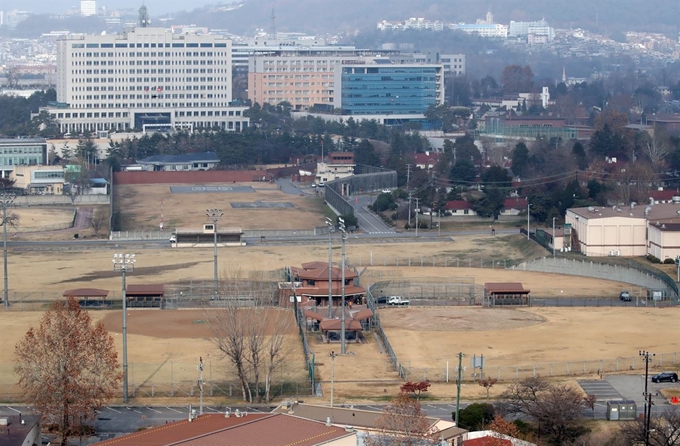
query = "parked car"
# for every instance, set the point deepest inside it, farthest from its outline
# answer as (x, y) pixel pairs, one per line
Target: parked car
(333, 336)
(381, 300)
(397, 300)
(386, 191)
(350, 335)
(625, 296)
(665, 376)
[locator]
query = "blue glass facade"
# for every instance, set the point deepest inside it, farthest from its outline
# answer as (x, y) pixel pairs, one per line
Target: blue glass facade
(390, 89)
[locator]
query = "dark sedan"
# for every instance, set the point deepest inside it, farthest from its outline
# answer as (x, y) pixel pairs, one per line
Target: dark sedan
(665, 376)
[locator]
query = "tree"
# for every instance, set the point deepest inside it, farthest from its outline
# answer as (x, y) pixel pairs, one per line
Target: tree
(487, 383)
(656, 147)
(590, 400)
(491, 204)
(251, 338)
(476, 416)
(463, 172)
(520, 158)
(501, 427)
(97, 220)
(415, 388)
(517, 79)
(384, 202)
(403, 423)
(664, 429)
(557, 409)
(67, 367)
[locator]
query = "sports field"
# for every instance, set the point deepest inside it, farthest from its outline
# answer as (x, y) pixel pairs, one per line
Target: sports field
(140, 207)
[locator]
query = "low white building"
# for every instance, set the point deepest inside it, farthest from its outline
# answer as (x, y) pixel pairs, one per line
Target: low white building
(339, 165)
(185, 162)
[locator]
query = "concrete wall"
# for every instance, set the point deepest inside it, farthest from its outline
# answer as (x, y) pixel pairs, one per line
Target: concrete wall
(210, 176)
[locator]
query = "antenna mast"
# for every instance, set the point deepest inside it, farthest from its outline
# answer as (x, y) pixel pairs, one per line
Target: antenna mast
(273, 17)
(144, 17)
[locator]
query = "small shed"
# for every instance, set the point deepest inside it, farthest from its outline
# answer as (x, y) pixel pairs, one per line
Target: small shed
(621, 410)
(89, 297)
(336, 325)
(191, 238)
(145, 296)
(506, 293)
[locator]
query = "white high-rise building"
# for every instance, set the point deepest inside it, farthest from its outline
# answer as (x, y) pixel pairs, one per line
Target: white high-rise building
(145, 78)
(88, 7)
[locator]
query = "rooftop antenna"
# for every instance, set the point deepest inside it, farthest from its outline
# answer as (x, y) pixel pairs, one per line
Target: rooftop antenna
(273, 17)
(144, 17)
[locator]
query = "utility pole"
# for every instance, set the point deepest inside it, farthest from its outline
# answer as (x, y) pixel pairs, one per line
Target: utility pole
(6, 199)
(647, 357)
(460, 377)
(408, 176)
(200, 385)
(333, 355)
(417, 209)
(215, 215)
(432, 199)
(342, 317)
(329, 222)
(409, 209)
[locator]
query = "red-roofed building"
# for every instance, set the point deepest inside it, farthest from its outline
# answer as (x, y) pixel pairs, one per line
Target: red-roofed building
(246, 430)
(514, 206)
(458, 207)
(427, 160)
(491, 438)
(311, 286)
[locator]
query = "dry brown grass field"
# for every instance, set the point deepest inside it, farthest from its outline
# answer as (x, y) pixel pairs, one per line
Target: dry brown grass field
(38, 219)
(141, 208)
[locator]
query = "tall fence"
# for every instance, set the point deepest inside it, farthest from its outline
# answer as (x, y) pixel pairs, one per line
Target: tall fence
(60, 200)
(366, 179)
(446, 370)
(587, 268)
(382, 336)
(263, 234)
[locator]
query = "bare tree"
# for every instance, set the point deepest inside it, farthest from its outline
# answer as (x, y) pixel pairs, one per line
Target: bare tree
(590, 400)
(403, 424)
(13, 75)
(555, 408)
(501, 427)
(487, 383)
(249, 332)
(97, 220)
(656, 146)
(67, 367)
(664, 429)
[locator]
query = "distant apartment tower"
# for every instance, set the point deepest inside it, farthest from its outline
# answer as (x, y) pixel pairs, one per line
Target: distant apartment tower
(388, 89)
(88, 7)
(535, 31)
(144, 78)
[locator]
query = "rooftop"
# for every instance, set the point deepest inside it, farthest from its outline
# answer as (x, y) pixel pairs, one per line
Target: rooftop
(203, 157)
(655, 212)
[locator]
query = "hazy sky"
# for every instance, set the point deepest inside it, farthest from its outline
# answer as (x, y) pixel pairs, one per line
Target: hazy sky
(156, 7)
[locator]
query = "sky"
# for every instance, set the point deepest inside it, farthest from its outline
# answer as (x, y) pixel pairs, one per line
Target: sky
(156, 7)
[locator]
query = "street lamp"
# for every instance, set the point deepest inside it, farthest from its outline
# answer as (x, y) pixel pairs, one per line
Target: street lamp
(5, 200)
(342, 317)
(124, 263)
(333, 355)
(647, 357)
(553, 241)
(329, 222)
(214, 215)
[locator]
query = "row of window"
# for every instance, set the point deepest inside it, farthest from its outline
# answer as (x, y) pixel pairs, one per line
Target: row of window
(46, 175)
(150, 45)
(91, 80)
(90, 62)
(20, 150)
(150, 71)
(297, 76)
(119, 54)
(125, 114)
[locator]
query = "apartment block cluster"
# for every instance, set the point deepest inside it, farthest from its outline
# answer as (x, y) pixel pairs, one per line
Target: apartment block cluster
(153, 79)
(533, 32)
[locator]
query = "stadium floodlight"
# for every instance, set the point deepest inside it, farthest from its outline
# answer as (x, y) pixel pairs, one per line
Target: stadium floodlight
(341, 222)
(124, 263)
(329, 222)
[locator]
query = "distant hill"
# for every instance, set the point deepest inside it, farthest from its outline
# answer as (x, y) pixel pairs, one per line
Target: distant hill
(332, 16)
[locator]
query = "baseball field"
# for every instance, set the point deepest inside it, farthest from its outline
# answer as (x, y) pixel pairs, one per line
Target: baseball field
(165, 345)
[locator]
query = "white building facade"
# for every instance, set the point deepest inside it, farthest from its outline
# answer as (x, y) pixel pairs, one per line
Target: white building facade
(146, 77)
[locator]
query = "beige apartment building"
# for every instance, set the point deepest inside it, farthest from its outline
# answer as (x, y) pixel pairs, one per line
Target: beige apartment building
(301, 80)
(635, 230)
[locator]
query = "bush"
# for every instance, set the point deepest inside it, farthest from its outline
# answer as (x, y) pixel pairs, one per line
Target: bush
(476, 416)
(669, 261)
(653, 259)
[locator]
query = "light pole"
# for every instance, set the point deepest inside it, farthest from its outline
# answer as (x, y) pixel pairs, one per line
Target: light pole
(528, 215)
(5, 200)
(329, 222)
(554, 236)
(333, 355)
(342, 317)
(200, 385)
(647, 357)
(124, 263)
(214, 215)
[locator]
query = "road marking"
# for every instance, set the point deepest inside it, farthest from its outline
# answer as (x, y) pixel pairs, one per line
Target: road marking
(451, 406)
(135, 410)
(11, 408)
(174, 410)
(252, 409)
(96, 411)
(375, 408)
(154, 410)
(210, 408)
(434, 407)
(110, 408)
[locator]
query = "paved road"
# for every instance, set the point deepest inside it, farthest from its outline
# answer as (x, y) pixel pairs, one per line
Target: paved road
(368, 221)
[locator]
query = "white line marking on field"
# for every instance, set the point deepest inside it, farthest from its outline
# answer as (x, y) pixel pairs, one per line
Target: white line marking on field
(110, 408)
(174, 410)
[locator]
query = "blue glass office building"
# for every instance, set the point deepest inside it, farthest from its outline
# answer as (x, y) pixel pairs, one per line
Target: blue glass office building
(389, 89)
